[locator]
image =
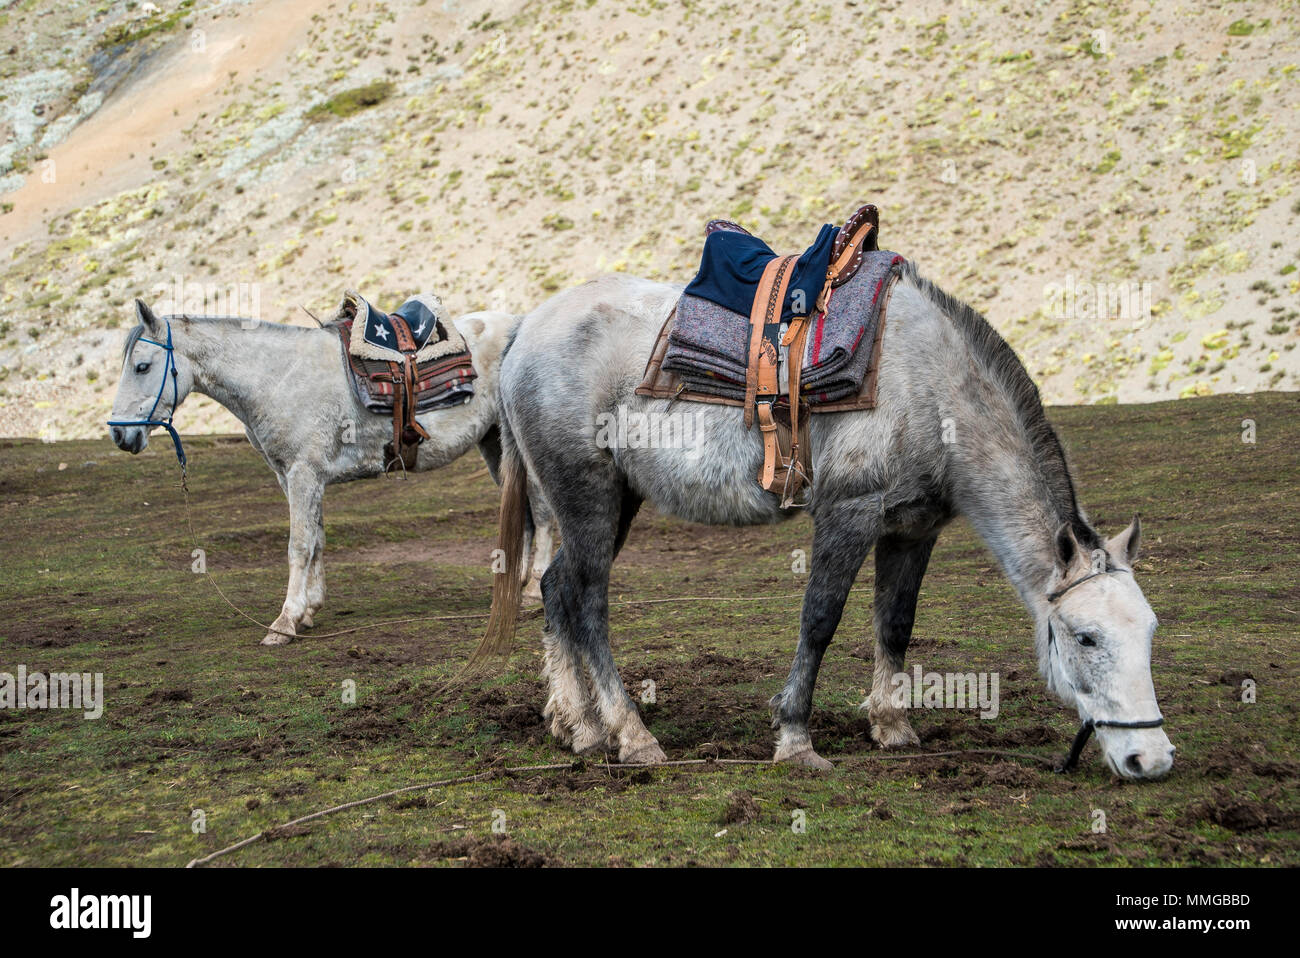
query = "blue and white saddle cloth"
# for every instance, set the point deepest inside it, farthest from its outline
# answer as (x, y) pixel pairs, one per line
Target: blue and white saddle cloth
(373, 336)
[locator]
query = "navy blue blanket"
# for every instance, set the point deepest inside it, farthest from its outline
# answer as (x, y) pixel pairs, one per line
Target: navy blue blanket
(733, 263)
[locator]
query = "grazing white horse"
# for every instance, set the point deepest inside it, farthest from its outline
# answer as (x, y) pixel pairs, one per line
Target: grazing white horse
(288, 386)
(959, 430)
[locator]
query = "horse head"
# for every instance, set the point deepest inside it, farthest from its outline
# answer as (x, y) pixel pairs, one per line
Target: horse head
(154, 380)
(1096, 634)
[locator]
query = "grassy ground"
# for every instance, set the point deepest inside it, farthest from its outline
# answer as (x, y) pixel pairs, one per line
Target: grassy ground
(95, 561)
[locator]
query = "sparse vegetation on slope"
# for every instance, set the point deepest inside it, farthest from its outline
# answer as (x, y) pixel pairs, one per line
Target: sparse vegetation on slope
(1106, 182)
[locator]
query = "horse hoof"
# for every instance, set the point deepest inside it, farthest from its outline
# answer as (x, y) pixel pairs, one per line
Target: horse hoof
(894, 734)
(275, 638)
(807, 758)
(648, 754)
(306, 622)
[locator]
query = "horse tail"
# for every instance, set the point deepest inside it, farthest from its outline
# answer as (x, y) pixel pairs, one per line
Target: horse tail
(507, 586)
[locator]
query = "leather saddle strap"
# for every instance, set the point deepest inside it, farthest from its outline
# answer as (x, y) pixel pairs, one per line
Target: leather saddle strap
(853, 247)
(761, 374)
(412, 395)
(796, 338)
(771, 447)
(851, 254)
(776, 474)
(406, 377)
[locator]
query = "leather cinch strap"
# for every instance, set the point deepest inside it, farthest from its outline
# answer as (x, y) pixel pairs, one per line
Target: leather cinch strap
(765, 331)
(407, 431)
(782, 474)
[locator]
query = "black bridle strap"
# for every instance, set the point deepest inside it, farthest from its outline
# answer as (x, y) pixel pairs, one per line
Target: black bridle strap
(1064, 589)
(1085, 732)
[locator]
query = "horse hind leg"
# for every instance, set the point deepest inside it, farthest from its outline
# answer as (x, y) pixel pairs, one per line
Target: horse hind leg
(900, 566)
(542, 547)
(570, 706)
(575, 591)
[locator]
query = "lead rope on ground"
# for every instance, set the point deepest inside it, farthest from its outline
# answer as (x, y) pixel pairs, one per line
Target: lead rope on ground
(275, 831)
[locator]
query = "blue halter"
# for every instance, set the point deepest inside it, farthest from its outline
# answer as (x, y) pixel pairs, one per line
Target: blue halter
(149, 420)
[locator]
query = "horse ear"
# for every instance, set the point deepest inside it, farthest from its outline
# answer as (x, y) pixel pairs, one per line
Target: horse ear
(1124, 546)
(1067, 547)
(144, 315)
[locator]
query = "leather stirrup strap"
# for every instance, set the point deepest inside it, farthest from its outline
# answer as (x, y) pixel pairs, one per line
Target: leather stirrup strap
(761, 374)
(795, 339)
(771, 447)
(407, 431)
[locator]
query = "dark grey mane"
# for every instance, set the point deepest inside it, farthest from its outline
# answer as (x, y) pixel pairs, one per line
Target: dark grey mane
(1002, 361)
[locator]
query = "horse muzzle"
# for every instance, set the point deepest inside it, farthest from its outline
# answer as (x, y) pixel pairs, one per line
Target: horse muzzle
(130, 439)
(1137, 754)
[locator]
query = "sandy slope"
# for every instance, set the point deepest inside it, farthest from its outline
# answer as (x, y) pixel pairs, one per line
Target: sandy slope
(1014, 149)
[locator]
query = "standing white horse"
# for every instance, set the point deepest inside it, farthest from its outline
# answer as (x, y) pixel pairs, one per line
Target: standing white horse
(958, 430)
(288, 386)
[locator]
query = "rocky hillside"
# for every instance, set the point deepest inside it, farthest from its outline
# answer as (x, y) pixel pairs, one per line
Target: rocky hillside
(1113, 187)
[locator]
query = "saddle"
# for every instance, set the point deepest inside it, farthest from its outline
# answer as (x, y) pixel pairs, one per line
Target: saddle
(402, 364)
(737, 259)
(705, 353)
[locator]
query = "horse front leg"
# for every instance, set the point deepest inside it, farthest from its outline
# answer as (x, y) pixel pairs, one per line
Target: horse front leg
(315, 578)
(842, 536)
(900, 566)
(305, 492)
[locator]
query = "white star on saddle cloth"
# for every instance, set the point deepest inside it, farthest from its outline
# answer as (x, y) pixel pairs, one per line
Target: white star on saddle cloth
(374, 338)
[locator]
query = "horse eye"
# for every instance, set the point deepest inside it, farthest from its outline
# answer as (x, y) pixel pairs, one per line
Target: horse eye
(1086, 638)
(141, 367)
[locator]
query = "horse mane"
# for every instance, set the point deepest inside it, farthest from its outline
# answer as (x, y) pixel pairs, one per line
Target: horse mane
(137, 331)
(1009, 372)
(132, 338)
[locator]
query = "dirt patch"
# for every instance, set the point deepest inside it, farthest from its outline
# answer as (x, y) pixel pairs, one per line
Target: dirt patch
(515, 712)
(969, 731)
(1238, 813)
(1007, 774)
(610, 778)
(1227, 761)
(60, 633)
(285, 831)
(1234, 678)
(367, 723)
(497, 852)
(741, 809)
(159, 696)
